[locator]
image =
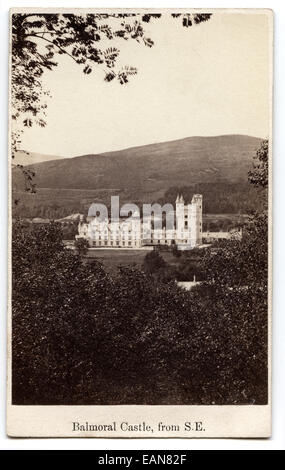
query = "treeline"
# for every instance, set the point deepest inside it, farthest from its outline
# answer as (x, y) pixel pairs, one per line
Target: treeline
(82, 336)
(32, 206)
(219, 198)
(189, 263)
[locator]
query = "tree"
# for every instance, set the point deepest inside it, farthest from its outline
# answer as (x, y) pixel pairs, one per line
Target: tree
(259, 174)
(56, 303)
(237, 279)
(81, 336)
(153, 262)
(242, 262)
(81, 246)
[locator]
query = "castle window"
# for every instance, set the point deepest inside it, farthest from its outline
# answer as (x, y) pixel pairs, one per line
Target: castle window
(186, 224)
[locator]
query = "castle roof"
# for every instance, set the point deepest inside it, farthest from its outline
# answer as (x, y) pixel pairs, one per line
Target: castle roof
(180, 199)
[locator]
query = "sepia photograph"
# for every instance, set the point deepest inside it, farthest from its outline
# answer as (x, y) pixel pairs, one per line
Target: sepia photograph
(140, 219)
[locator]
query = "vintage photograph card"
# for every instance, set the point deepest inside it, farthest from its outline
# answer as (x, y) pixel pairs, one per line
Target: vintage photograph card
(140, 223)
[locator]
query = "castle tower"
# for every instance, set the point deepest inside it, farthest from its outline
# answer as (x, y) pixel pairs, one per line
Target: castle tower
(180, 221)
(197, 211)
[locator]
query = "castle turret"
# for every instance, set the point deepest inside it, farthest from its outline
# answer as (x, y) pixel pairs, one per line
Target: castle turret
(179, 216)
(197, 203)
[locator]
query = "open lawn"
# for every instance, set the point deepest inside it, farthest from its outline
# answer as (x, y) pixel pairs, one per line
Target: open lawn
(112, 258)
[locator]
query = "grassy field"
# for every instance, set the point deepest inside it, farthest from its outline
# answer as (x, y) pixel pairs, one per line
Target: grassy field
(113, 258)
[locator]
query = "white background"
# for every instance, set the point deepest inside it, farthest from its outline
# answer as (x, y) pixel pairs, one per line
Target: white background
(278, 435)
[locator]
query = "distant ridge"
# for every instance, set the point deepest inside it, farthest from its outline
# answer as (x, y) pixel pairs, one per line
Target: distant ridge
(31, 158)
(225, 158)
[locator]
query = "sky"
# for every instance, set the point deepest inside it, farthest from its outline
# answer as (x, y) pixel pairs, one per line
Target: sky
(210, 79)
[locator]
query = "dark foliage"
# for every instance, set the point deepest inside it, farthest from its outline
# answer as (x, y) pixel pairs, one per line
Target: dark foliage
(191, 265)
(153, 261)
(81, 336)
(259, 174)
(219, 197)
(81, 246)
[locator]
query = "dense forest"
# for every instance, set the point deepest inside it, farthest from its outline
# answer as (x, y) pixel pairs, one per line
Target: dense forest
(84, 336)
(218, 198)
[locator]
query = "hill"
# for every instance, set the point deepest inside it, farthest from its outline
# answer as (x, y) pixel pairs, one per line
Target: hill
(215, 166)
(185, 161)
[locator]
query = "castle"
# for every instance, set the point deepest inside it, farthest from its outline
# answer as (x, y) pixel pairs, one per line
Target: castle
(137, 233)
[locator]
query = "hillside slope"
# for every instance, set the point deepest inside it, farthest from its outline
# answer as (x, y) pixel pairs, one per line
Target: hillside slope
(151, 167)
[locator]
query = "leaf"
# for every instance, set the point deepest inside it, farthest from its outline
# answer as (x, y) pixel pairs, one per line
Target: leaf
(27, 122)
(123, 78)
(187, 21)
(87, 69)
(109, 76)
(148, 42)
(41, 123)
